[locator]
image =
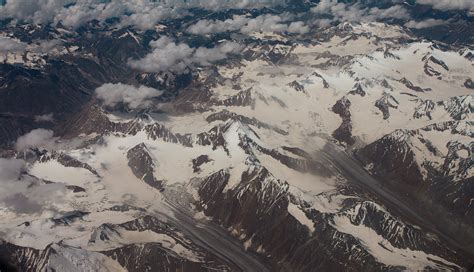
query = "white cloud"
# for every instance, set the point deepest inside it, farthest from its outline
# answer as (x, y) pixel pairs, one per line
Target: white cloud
(38, 11)
(10, 169)
(322, 22)
(324, 6)
(22, 193)
(45, 118)
(77, 15)
(206, 56)
(45, 46)
(265, 23)
(216, 26)
(270, 23)
(143, 14)
(219, 4)
(244, 24)
(38, 138)
(395, 11)
(425, 23)
(356, 12)
(298, 27)
(11, 45)
(449, 4)
(168, 55)
(147, 18)
(134, 97)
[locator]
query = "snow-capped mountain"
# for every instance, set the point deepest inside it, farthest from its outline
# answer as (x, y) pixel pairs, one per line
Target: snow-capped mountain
(347, 147)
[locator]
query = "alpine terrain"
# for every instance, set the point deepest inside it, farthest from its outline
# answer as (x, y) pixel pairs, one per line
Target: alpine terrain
(259, 135)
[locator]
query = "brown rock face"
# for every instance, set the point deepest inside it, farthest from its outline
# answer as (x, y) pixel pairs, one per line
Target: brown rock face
(413, 87)
(257, 209)
(142, 165)
(440, 192)
(155, 257)
(197, 162)
(384, 104)
(392, 159)
(344, 132)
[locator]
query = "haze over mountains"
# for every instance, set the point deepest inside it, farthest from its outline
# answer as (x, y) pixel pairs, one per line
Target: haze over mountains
(236, 135)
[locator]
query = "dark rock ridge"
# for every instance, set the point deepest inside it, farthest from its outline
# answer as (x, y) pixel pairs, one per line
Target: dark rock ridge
(443, 192)
(458, 107)
(154, 256)
(226, 115)
(95, 120)
(344, 132)
(214, 137)
(297, 86)
(325, 83)
(394, 155)
(357, 90)
(241, 99)
(67, 161)
(256, 211)
(424, 108)
(469, 84)
(197, 162)
(413, 87)
(384, 104)
(133, 257)
(302, 162)
(64, 82)
(69, 217)
(143, 165)
(430, 70)
(157, 131)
